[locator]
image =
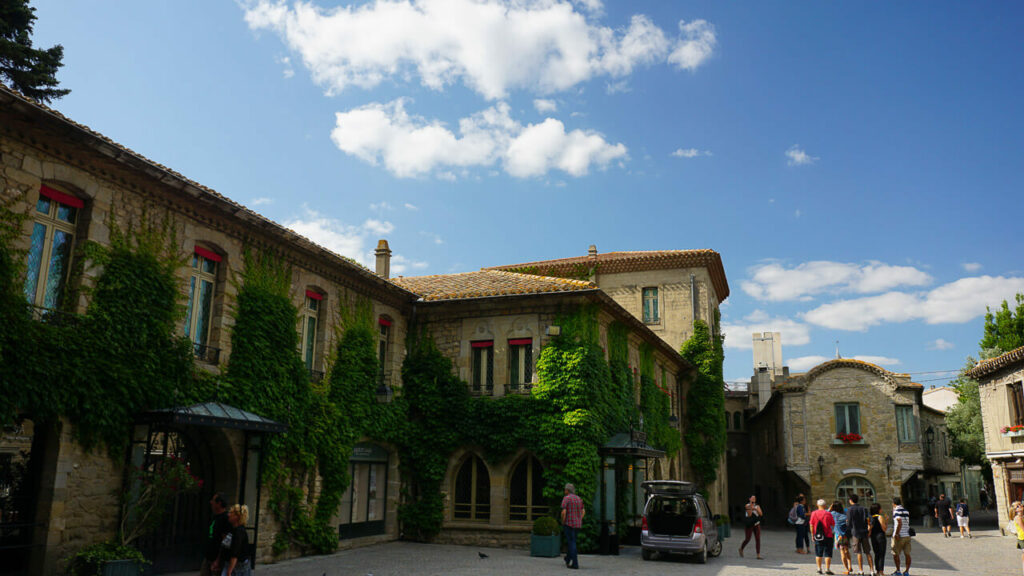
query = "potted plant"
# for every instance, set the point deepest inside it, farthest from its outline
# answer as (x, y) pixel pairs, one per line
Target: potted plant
(851, 438)
(149, 494)
(724, 526)
(545, 540)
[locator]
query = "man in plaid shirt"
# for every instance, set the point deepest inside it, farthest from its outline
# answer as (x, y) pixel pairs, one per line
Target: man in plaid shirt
(572, 521)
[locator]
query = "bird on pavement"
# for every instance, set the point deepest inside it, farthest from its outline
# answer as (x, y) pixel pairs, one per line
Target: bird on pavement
(482, 555)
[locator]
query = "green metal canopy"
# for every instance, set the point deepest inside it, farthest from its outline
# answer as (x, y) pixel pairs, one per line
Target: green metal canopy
(212, 414)
(630, 444)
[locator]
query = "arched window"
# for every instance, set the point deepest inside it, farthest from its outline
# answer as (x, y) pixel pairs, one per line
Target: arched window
(472, 491)
(310, 330)
(526, 491)
(737, 420)
(202, 289)
(855, 485)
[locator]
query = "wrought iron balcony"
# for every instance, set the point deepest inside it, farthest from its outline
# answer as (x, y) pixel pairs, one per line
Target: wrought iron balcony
(55, 317)
(523, 388)
(316, 376)
(205, 353)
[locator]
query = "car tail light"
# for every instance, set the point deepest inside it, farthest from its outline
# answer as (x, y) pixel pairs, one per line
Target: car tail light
(698, 528)
(643, 525)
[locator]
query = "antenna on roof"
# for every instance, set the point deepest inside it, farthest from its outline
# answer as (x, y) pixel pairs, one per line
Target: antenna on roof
(837, 350)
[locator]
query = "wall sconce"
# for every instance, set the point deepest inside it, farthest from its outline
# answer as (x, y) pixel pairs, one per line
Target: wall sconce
(821, 464)
(929, 435)
(888, 466)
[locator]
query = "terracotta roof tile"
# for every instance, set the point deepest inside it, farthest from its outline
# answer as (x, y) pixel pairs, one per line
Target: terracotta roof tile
(986, 367)
(486, 283)
(631, 261)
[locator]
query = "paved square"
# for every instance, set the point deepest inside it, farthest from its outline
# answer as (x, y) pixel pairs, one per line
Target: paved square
(987, 554)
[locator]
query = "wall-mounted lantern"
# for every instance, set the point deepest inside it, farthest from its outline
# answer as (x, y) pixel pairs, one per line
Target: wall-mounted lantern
(821, 464)
(888, 466)
(929, 436)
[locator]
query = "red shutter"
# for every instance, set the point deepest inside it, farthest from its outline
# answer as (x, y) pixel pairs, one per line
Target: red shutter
(520, 341)
(208, 254)
(383, 321)
(314, 295)
(57, 195)
(482, 344)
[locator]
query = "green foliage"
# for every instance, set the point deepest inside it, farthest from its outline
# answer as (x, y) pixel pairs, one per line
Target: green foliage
(1004, 330)
(31, 71)
(546, 526)
(705, 434)
(89, 561)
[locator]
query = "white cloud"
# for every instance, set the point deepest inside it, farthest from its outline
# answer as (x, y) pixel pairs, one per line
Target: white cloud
(354, 241)
(492, 46)
(411, 207)
(773, 281)
(411, 146)
(690, 153)
(797, 156)
(738, 334)
(797, 213)
(879, 360)
(380, 206)
(288, 71)
(400, 265)
(695, 44)
(261, 201)
(544, 105)
(972, 266)
(940, 344)
(956, 302)
(378, 226)
(805, 363)
(435, 238)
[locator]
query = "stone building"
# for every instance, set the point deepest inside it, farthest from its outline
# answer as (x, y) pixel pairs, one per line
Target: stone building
(74, 183)
(492, 325)
(1001, 386)
(845, 427)
(666, 289)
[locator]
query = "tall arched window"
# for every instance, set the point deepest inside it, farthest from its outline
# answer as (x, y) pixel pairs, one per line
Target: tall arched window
(737, 420)
(855, 485)
(526, 491)
(49, 255)
(472, 491)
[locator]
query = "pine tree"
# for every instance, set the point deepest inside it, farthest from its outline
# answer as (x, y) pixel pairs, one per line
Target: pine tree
(1004, 330)
(31, 71)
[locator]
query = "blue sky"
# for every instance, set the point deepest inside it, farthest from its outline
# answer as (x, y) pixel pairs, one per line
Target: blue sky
(857, 165)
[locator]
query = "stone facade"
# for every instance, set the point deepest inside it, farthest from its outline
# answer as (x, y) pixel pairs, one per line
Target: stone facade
(1001, 380)
(799, 450)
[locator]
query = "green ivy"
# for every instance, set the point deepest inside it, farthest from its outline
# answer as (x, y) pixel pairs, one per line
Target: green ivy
(705, 434)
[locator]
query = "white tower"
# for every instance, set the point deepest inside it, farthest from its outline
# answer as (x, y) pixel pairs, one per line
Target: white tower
(767, 364)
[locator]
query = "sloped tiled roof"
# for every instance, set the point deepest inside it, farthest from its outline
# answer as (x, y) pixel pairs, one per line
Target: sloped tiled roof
(128, 157)
(633, 261)
(986, 367)
(484, 283)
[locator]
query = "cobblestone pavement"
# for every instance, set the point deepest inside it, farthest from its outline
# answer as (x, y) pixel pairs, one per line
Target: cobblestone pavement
(987, 554)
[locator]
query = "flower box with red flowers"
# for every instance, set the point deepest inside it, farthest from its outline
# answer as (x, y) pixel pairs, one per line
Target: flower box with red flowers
(852, 438)
(1012, 431)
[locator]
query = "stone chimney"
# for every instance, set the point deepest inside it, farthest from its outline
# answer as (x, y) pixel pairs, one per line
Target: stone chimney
(592, 252)
(383, 254)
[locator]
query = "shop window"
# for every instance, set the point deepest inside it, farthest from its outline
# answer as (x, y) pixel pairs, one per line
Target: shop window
(49, 256)
(472, 491)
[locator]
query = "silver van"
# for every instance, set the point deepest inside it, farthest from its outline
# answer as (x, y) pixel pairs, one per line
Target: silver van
(677, 520)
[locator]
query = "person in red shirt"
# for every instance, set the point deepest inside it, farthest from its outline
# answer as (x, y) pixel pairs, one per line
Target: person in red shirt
(572, 521)
(822, 523)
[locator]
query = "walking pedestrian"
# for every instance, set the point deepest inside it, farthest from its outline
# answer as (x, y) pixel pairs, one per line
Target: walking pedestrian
(983, 498)
(1018, 523)
(219, 526)
(944, 514)
(822, 524)
(752, 515)
(572, 521)
(963, 518)
(876, 531)
(234, 548)
(798, 516)
(900, 535)
(860, 530)
(842, 537)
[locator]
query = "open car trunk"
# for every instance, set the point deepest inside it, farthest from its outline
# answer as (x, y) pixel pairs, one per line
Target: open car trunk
(671, 515)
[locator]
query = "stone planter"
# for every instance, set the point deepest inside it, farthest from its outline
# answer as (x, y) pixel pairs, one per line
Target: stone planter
(123, 568)
(545, 546)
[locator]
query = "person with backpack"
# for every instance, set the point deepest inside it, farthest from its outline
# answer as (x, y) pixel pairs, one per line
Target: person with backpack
(822, 527)
(860, 529)
(901, 533)
(798, 518)
(963, 518)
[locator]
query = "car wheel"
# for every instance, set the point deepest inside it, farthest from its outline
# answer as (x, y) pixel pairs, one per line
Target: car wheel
(646, 554)
(716, 550)
(702, 556)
